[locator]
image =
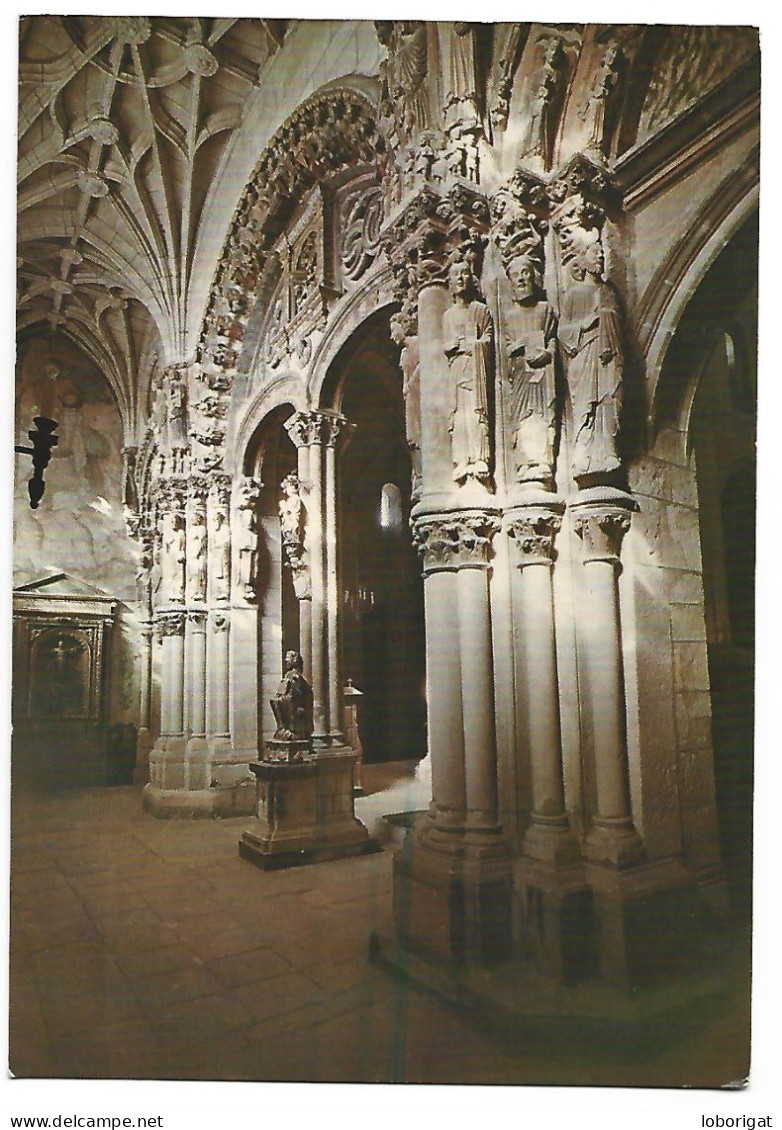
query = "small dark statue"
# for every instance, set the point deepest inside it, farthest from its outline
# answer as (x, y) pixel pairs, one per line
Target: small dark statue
(292, 705)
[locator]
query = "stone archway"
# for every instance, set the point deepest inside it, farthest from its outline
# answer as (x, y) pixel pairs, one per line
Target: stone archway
(381, 589)
(709, 385)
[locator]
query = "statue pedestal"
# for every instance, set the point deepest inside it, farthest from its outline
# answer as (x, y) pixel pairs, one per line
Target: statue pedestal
(304, 811)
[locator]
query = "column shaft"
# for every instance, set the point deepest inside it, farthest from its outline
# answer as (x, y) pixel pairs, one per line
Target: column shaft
(477, 698)
(335, 726)
(197, 697)
(444, 700)
(218, 676)
(540, 689)
(606, 692)
(317, 572)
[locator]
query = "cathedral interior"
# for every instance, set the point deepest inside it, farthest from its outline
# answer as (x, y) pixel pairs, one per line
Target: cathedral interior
(383, 638)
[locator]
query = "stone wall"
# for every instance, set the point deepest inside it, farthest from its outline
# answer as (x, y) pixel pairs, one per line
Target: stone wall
(79, 527)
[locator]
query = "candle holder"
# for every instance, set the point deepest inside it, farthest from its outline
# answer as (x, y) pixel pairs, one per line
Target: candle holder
(43, 439)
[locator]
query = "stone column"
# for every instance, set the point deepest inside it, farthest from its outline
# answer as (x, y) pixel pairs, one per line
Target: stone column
(218, 632)
(337, 433)
(601, 519)
(476, 530)
(533, 529)
(196, 675)
(317, 433)
(301, 578)
(171, 625)
(144, 741)
(217, 662)
(435, 540)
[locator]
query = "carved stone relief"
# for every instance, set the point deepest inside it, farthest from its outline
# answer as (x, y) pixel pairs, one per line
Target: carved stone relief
(292, 531)
(591, 339)
(246, 536)
(468, 339)
(452, 541)
(597, 112)
(529, 326)
(546, 90)
(361, 219)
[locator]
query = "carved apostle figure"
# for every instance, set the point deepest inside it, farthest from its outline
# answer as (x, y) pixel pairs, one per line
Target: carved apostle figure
(410, 364)
(173, 559)
(468, 336)
(531, 341)
(292, 705)
(247, 537)
(595, 113)
(545, 87)
(220, 554)
(590, 334)
(196, 555)
(176, 398)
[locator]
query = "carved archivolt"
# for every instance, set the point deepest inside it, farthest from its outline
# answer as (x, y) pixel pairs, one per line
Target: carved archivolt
(332, 131)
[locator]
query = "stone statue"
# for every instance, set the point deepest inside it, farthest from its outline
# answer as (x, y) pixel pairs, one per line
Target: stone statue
(590, 334)
(247, 537)
(292, 705)
(410, 364)
(220, 555)
(545, 87)
(531, 341)
(176, 410)
(291, 511)
(595, 112)
(196, 555)
(462, 95)
(173, 557)
(468, 336)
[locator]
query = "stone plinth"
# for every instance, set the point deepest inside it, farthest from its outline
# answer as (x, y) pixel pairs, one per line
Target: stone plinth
(452, 902)
(553, 905)
(305, 812)
(648, 922)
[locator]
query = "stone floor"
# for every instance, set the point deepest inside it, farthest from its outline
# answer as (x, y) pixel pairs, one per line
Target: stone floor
(147, 949)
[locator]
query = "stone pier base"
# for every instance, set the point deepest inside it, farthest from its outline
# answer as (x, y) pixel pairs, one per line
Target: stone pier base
(304, 812)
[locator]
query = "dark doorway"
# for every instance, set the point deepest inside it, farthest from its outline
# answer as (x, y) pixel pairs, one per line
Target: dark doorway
(382, 612)
(718, 334)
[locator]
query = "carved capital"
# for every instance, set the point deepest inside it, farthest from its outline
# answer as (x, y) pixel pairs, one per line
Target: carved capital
(197, 491)
(520, 210)
(220, 620)
(533, 534)
(171, 622)
(455, 541)
(316, 427)
(602, 531)
(436, 227)
(220, 488)
(196, 618)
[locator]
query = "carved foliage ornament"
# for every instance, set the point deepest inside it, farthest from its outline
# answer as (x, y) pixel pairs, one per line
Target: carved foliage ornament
(534, 536)
(602, 532)
(362, 217)
(333, 130)
(457, 541)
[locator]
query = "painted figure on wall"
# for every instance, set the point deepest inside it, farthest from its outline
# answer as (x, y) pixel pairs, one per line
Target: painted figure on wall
(468, 336)
(590, 334)
(531, 341)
